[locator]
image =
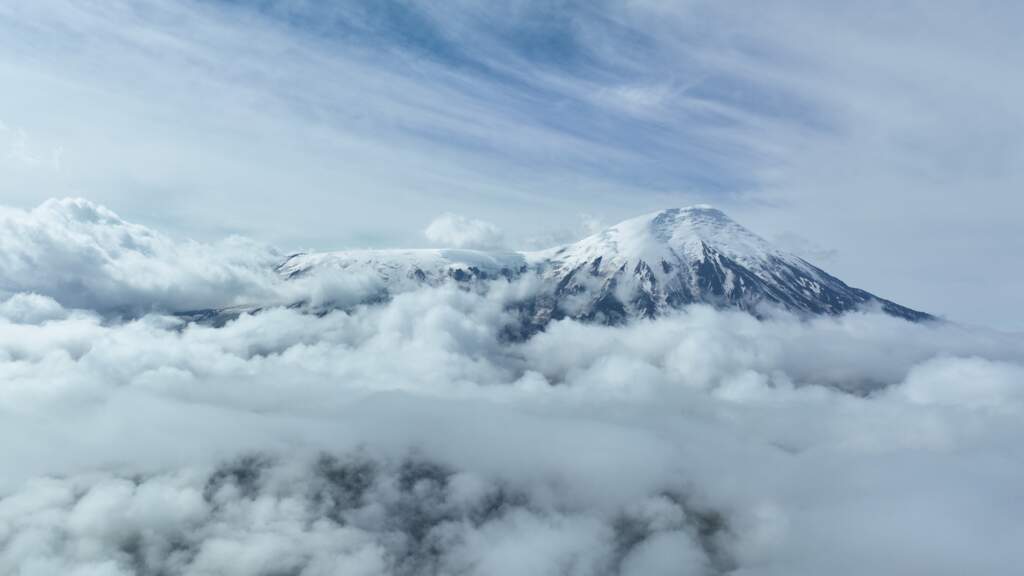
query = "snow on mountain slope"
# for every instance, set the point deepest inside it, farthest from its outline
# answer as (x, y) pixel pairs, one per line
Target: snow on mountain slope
(639, 268)
(668, 235)
(409, 268)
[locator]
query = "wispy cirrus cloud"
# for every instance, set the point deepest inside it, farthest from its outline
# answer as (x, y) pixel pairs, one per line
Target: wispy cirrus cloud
(889, 139)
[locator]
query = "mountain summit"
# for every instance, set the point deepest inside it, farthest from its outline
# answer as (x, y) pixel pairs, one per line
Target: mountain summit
(639, 268)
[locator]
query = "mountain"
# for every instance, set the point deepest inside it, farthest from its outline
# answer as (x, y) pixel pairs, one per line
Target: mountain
(639, 268)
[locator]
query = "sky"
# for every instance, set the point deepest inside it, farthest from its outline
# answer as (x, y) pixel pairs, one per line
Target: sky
(882, 141)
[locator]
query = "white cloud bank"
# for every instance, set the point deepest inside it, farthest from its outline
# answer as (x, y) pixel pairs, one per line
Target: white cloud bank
(456, 231)
(83, 255)
(408, 438)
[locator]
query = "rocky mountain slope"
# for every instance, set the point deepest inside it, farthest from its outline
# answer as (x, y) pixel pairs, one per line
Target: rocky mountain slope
(639, 268)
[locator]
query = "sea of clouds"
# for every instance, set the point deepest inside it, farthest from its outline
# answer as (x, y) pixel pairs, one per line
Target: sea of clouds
(410, 438)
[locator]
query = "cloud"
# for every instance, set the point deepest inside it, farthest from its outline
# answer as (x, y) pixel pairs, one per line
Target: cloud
(531, 112)
(805, 248)
(82, 255)
(457, 134)
(28, 308)
(407, 437)
(452, 230)
(970, 382)
(16, 147)
(637, 100)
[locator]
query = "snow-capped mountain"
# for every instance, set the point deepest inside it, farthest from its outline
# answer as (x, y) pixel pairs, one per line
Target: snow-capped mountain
(639, 268)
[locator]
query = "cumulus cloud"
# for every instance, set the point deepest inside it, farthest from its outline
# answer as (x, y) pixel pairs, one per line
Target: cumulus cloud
(410, 437)
(83, 255)
(28, 308)
(454, 231)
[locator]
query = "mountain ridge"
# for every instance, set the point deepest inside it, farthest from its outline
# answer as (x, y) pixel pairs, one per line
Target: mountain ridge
(642, 267)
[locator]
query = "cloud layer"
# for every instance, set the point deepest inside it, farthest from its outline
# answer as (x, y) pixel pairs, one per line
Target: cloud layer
(83, 255)
(454, 231)
(408, 438)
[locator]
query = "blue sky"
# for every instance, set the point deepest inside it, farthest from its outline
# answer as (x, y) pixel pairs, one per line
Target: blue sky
(882, 142)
